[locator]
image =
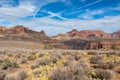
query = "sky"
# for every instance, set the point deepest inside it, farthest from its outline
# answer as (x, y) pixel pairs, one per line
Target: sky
(61, 16)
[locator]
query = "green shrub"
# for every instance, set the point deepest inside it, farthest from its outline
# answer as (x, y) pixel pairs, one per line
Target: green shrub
(31, 57)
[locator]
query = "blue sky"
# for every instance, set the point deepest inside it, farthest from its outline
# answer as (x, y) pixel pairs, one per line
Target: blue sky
(61, 16)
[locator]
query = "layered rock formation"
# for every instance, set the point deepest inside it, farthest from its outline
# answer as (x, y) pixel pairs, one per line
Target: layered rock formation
(93, 44)
(22, 33)
(116, 34)
(86, 39)
(86, 34)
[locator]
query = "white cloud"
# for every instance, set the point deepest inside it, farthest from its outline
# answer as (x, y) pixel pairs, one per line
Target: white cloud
(15, 13)
(89, 14)
(24, 9)
(53, 27)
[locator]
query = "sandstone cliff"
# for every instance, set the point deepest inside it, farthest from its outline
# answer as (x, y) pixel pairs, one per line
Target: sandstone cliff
(85, 34)
(22, 33)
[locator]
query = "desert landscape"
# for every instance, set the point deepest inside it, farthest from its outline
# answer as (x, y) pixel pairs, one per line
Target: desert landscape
(59, 39)
(30, 55)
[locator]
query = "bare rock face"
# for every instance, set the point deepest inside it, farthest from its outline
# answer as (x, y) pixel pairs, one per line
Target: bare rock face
(22, 33)
(18, 29)
(84, 34)
(116, 34)
(93, 44)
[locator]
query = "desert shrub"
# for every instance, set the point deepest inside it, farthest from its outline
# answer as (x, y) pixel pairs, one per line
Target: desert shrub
(65, 53)
(59, 74)
(35, 65)
(54, 59)
(107, 65)
(2, 75)
(10, 54)
(40, 62)
(104, 74)
(37, 72)
(58, 55)
(8, 64)
(48, 46)
(68, 62)
(21, 75)
(23, 60)
(1, 59)
(118, 71)
(10, 77)
(77, 56)
(71, 58)
(110, 53)
(110, 65)
(92, 53)
(44, 61)
(17, 55)
(95, 59)
(41, 55)
(117, 63)
(31, 57)
(74, 71)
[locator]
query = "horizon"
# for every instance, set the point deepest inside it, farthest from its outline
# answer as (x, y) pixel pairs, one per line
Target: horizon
(61, 16)
(58, 33)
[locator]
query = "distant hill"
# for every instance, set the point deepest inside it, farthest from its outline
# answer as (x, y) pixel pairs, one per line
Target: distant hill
(87, 34)
(116, 34)
(22, 33)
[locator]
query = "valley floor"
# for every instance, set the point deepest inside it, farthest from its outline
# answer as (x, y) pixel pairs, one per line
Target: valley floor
(28, 61)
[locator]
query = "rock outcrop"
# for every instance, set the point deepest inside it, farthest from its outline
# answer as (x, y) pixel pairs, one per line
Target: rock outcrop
(22, 33)
(116, 34)
(84, 34)
(93, 44)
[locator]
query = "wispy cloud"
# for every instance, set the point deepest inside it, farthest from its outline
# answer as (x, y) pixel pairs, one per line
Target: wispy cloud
(45, 2)
(89, 14)
(15, 13)
(56, 15)
(90, 4)
(86, 5)
(53, 27)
